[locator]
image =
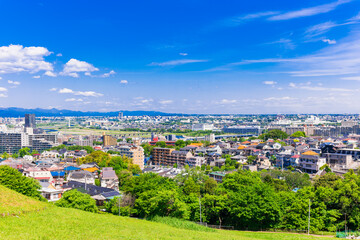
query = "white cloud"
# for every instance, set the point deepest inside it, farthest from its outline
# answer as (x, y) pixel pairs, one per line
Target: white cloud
(89, 94)
(74, 66)
(241, 19)
(16, 58)
(307, 86)
(80, 93)
(269, 82)
(13, 82)
(354, 78)
(329, 41)
(342, 58)
(227, 101)
(2, 89)
(124, 82)
(165, 102)
(59, 55)
(177, 62)
(53, 89)
(73, 100)
(3, 95)
(50, 74)
(66, 90)
(37, 76)
(279, 98)
(112, 72)
(183, 54)
(319, 29)
(311, 11)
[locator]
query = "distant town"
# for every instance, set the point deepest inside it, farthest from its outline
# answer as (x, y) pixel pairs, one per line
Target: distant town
(48, 148)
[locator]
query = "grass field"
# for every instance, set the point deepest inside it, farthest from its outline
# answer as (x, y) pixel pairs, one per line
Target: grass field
(62, 223)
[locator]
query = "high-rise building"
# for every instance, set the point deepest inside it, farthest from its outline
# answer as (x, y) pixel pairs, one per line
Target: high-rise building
(109, 141)
(30, 121)
(121, 115)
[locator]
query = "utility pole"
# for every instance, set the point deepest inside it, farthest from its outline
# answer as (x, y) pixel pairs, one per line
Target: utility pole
(200, 210)
(309, 219)
(119, 206)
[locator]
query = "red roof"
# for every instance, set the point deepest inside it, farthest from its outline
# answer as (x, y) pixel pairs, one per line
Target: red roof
(295, 156)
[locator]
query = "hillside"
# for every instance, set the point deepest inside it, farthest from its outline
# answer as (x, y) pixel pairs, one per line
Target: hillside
(60, 223)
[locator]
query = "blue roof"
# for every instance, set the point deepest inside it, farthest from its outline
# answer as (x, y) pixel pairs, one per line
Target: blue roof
(57, 174)
(71, 168)
(111, 195)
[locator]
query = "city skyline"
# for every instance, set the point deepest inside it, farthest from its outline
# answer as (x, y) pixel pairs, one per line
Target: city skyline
(191, 57)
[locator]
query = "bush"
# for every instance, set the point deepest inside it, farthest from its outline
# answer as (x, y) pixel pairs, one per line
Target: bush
(77, 200)
(13, 179)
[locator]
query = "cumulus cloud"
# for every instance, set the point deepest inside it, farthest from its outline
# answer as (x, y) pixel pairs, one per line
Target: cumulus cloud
(37, 76)
(124, 82)
(16, 58)
(59, 55)
(81, 93)
(13, 82)
(112, 72)
(176, 62)
(53, 89)
(73, 67)
(2, 89)
(50, 74)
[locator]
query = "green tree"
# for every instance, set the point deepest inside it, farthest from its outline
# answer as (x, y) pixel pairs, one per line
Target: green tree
(5, 155)
(75, 199)
(13, 179)
(274, 134)
(24, 151)
(298, 134)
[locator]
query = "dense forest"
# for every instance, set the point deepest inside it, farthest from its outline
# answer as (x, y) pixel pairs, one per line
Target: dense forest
(246, 200)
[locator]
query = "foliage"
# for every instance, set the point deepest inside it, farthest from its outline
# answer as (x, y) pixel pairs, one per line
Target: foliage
(103, 159)
(274, 134)
(298, 134)
(13, 179)
(73, 148)
(75, 199)
(24, 151)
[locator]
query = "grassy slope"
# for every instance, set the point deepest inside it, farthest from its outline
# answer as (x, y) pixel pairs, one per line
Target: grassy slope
(61, 223)
(13, 203)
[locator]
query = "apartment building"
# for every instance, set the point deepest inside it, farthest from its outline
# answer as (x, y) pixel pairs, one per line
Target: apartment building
(109, 141)
(339, 160)
(160, 155)
(136, 153)
(311, 162)
(178, 157)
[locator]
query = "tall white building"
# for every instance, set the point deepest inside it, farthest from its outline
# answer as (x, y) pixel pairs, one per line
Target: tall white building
(202, 127)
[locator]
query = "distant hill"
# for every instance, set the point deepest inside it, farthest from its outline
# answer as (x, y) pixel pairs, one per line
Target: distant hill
(16, 112)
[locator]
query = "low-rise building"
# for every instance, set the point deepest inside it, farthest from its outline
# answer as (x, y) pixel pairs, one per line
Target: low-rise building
(311, 162)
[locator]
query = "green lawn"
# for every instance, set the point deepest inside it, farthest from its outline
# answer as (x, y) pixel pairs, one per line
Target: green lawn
(61, 223)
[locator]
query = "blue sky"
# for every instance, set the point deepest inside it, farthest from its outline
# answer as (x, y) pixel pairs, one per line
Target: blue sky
(193, 56)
